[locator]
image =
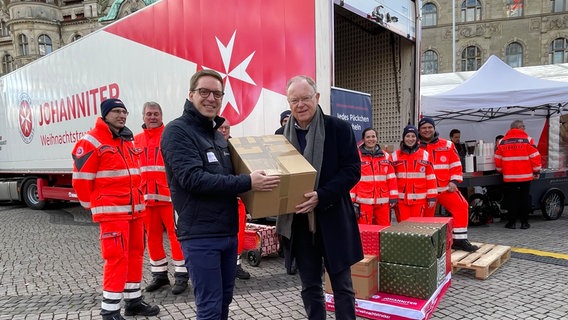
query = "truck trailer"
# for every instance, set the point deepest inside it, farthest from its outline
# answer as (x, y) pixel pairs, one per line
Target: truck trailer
(46, 106)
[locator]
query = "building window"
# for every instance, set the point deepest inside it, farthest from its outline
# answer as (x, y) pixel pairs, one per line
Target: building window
(558, 5)
(514, 55)
(44, 45)
(470, 11)
(514, 8)
(76, 37)
(7, 64)
(471, 59)
(557, 52)
(23, 44)
(429, 15)
(429, 62)
(4, 32)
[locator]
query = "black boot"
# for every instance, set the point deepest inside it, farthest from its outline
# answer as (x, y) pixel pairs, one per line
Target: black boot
(241, 273)
(139, 307)
(114, 315)
(159, 279)
(180, 284)
(464, 244)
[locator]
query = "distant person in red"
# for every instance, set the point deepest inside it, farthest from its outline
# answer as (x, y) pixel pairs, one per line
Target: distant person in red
(159, 210)
(106, 178)
(520, 163)
(448, 170)
(414, 176)
(225, 129)
(377, 191)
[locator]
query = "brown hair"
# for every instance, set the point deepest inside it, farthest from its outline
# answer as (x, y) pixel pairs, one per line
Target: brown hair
(203, 73)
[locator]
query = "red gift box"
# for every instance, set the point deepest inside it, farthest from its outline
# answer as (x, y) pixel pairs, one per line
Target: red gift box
(370, 238)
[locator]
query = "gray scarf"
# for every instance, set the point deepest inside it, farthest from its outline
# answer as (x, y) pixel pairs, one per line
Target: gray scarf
(314, 154)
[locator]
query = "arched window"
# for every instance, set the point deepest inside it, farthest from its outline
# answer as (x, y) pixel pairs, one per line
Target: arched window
(471, 59)
(7, 64)
(470, 11)
(429, 15)
(44, 45)
(514, 55)
(557, 53)
(558, 5)
(515, 8)
(76, 37)
(23, 45)
(429, 62)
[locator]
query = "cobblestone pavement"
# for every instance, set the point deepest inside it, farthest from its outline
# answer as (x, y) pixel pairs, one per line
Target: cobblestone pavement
(50, 268)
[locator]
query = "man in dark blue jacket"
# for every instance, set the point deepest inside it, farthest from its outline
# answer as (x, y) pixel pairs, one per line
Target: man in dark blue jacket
(324, 227)
(204, 194)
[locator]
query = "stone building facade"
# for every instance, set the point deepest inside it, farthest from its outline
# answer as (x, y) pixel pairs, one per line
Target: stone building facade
(30, 29)
(520, 32)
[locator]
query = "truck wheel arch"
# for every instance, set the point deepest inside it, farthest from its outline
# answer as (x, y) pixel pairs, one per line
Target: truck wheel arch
(30, 195)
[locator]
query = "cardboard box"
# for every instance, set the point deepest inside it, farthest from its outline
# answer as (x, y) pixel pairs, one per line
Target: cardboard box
(390, 306)
(370, 238)
(364, 275)
(276, 156)
(403, 244)
(449, 222)
(406, 280)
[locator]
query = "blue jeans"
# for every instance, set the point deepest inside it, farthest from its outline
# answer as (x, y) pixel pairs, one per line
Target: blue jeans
(211, 265)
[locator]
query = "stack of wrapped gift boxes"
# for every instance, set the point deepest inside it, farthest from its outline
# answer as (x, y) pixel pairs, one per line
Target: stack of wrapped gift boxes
(414, 269)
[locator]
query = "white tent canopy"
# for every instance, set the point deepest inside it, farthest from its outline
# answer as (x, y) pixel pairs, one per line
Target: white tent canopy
(494, 91)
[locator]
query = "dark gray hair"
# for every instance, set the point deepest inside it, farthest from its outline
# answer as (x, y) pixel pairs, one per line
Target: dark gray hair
(151, 104)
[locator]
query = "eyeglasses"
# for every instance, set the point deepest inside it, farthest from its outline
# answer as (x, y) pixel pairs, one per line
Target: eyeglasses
(204, 93)
(296, 101)
(119, 111)
(223, 128)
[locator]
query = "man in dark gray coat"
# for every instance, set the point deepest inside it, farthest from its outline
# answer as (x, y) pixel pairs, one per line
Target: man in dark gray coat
(324, 227)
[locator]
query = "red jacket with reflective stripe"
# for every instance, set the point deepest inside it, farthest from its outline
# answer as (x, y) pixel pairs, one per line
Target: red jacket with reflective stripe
(378, 180)
(516, 158)
(445, 160)
(414, 175)
(154, 183)
(106, 174)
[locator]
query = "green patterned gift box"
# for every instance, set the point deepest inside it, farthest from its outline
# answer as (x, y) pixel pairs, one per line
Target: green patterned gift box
(410, 281)
(408, 245)
(442, 227)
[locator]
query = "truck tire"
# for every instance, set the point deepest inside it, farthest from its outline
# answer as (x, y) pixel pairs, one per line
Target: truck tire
(30, 195)
(552, 204)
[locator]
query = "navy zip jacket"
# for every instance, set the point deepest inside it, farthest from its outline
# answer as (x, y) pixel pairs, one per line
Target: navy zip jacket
(200, 175)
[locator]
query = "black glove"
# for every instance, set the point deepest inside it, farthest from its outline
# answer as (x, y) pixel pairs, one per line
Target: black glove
(357, 210)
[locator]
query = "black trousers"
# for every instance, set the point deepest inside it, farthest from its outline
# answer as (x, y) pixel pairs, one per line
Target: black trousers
(308, 250)
(518, 200)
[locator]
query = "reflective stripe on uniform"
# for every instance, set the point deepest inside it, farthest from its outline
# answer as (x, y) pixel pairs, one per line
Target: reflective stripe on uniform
(153, 169)
(84, 175)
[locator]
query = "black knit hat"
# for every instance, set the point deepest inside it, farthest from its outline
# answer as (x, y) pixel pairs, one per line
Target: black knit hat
(110, 104)
(409, 128)
(426, 120)
(284, 115)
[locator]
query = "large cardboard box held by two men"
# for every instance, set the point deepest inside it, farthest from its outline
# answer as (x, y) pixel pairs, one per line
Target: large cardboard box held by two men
(276, 156)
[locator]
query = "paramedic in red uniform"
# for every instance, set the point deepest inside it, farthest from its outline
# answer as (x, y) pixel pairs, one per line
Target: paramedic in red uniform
(159, 209)
(414, 176)
(448, 170)
(106, 178)
(519, 161)
(225, 130)
(376, 192)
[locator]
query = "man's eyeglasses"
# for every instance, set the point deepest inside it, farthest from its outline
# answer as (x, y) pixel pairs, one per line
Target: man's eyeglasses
(296, 101)
(204, 93)
(119, 111)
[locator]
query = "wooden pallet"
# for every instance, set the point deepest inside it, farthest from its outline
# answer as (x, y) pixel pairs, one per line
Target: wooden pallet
(486, 260)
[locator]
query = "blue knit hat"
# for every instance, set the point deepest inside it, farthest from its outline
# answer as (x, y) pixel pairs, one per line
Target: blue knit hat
(110, 104)
(409, 128)
(426, 120)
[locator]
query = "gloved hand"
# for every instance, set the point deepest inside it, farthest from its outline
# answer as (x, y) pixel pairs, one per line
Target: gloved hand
(357, 210)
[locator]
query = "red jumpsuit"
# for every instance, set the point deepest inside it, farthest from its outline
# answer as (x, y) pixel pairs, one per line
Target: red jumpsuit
(242, 226)
(448, 168)
(106, 178)
(159, 209)
(416, 181)
(376, 189)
